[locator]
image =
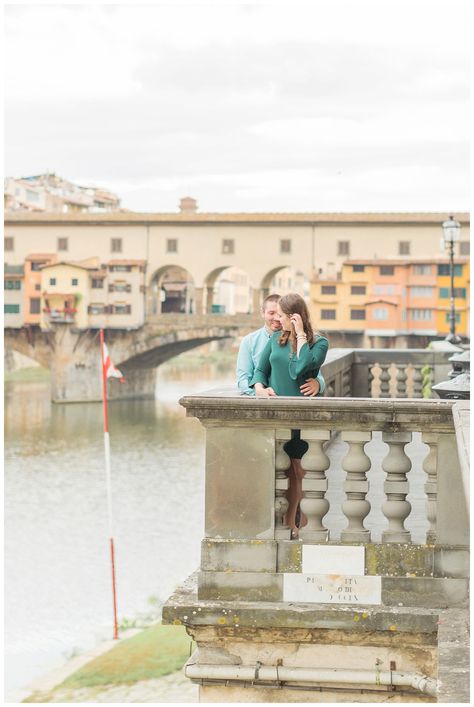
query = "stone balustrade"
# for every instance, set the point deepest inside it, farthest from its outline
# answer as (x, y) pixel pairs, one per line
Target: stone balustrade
(379, 373)
(246, 482)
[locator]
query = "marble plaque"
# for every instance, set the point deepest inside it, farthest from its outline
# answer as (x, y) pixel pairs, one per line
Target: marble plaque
(333, 559)
(332, 589)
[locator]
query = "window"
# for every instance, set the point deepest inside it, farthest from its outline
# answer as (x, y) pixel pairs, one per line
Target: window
(36, 265)
(380, 313)
(444, 270)
(357, 313)
(358, 268)
(121, 309)
(97, 283)
(8, 243)
(457, 317)
(328, 314)
(285, 246)
(35, 305)
(386, 269)
(421, 315)
(358, 289)
(328, 289)
(52, 280)
(74, 281)
(116, 245)
(37, 287)
(62, 244)
(12, 284)
(445, 292)
(464, 248)
(343, 248)
(404, 248)
(11, 309)
(120, 268)
(96, 309)
(172, 245)
(422, 269)
(120, 286)
(32, 195)
(228, 245)
(422, 292)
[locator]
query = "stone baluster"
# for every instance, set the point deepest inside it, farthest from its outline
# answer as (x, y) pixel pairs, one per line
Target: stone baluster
(430, 467)
(315, 484)
(356, 507)
(396, 508)
(370, 378)
(384, 379)
(282, 464)
(417, 382)
(330, 389)
(401, 381)
(346, 383)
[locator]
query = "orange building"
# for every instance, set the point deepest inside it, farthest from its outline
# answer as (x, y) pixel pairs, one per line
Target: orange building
(32, 285)
(372, 302)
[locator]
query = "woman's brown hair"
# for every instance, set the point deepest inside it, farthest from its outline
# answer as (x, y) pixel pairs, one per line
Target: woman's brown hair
(295, 304)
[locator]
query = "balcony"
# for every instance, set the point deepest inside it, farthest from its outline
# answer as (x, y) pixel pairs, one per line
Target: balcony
(60, 316)
(380, 572)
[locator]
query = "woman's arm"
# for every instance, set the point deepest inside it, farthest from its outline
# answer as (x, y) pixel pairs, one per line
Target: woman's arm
(308, 358)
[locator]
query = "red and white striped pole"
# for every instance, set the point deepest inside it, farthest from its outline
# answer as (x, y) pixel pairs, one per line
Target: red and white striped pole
(108, 478)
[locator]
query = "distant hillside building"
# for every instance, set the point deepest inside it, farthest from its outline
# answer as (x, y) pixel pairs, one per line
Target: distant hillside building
(49, 193)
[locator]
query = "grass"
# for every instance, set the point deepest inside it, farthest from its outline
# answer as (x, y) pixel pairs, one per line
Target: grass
(156, 651)
(153, 653)
(28, 375)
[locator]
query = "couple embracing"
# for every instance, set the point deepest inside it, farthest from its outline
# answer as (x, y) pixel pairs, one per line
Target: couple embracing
(283, 358)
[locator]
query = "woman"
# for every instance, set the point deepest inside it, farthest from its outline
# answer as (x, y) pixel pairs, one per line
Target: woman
(286, 361)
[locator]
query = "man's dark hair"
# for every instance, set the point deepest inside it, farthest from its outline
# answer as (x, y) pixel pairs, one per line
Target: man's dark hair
(270, 298)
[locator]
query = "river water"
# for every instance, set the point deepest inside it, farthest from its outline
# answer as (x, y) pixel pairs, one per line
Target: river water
(57, 568)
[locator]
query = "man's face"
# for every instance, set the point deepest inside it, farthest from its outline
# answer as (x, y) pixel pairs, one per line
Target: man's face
(270, 315)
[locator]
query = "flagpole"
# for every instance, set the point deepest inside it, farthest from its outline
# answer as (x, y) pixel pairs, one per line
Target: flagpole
(108, 480)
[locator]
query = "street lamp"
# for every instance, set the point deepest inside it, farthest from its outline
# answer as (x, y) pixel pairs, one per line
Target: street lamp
(451, 233)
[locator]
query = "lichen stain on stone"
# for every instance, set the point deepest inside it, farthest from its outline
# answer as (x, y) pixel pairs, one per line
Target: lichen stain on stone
(176, 622)
(221, 620)
(392, 627)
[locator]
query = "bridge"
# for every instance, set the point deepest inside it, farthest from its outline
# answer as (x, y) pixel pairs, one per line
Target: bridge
(73, 356)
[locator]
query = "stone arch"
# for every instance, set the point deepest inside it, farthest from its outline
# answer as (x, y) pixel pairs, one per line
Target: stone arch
(228, 289)
(290, 280)
(171, 289)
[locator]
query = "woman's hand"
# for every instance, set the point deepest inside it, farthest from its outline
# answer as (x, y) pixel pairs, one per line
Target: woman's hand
(262, 392)
(297, 323)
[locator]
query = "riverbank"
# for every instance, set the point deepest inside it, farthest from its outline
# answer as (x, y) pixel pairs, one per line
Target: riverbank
(144, 666)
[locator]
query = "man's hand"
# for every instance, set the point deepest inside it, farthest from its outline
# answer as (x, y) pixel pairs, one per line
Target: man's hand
(310, 388)
(261, 392)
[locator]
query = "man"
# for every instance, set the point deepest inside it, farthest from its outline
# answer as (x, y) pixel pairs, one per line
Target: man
(253, 344)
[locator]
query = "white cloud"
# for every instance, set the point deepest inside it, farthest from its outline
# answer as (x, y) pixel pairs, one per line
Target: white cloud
(250, 106)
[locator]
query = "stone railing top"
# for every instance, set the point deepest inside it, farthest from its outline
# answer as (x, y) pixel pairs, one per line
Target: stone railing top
(387, 414)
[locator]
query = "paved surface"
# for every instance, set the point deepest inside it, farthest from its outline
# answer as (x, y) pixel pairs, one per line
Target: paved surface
(173, 688)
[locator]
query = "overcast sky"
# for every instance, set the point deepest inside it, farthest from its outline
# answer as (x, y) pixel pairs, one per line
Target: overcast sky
(333, 105)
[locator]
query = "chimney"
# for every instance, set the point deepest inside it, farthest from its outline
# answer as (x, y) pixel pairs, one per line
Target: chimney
(188, 205)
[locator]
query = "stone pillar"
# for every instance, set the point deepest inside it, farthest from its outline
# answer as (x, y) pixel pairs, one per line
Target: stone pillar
(199, 300)
(315, 484)
(209, 300)
(431, 486)
(356, 463)
(240, 483)
(282, 465)
(401, 381)
(452, 520)
(396, 508)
